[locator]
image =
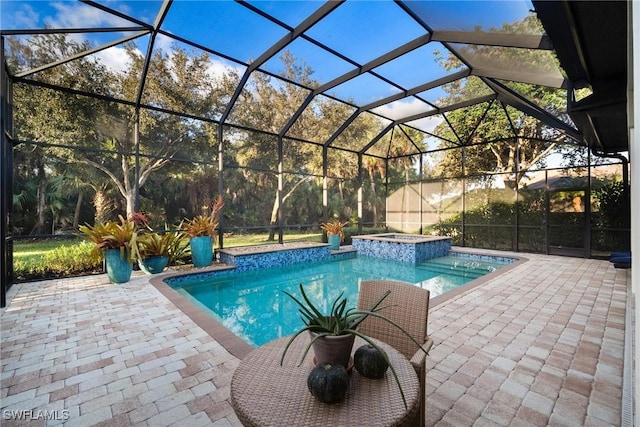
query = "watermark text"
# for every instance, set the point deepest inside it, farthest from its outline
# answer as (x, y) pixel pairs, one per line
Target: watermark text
(35, 414)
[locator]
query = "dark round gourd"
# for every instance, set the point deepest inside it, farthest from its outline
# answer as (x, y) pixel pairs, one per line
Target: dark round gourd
(369, 362)
(328, 382)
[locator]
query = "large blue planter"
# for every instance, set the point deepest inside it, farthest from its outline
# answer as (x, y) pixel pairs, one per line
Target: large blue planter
(154, 264)
(201, 251)
(118, 269)
(334, 241)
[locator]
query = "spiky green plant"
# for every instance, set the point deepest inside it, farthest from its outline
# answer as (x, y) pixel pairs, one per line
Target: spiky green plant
(121, 235)
(341, 321)
(334, 227)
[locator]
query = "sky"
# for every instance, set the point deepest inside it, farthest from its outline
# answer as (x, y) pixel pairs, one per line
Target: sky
(236, 31)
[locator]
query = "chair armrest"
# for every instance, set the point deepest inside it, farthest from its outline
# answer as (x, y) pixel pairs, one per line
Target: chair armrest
(418, 359)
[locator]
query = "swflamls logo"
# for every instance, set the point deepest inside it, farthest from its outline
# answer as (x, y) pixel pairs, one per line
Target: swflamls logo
(35, 414)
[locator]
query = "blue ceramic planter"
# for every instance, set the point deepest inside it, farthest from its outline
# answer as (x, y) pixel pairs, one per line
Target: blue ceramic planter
(201, 251)
(334, 241)
(118, 269)
(154, 264)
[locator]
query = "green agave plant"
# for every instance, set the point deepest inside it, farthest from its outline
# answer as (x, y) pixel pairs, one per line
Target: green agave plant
(341, 321)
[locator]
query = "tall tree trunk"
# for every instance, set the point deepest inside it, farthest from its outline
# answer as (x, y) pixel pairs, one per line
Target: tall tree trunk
(76, 212)
(276, 207)
(102, 205)
(374, 203)
(274, 219)
(42, 200)
(130, 199)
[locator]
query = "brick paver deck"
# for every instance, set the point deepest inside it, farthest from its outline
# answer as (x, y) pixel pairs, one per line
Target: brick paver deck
(540, 344)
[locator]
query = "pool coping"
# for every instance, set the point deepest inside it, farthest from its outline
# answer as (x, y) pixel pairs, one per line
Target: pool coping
(230, 341)
(239, 348)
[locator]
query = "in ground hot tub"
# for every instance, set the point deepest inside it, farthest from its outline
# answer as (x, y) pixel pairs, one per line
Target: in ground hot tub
(411, 248)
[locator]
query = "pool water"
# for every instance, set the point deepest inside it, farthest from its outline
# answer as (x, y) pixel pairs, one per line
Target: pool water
(253, 306)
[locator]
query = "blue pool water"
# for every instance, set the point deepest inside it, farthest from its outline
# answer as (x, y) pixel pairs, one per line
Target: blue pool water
(252, 305)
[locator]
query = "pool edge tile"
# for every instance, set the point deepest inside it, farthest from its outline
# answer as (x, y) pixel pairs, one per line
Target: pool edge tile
(233, 344)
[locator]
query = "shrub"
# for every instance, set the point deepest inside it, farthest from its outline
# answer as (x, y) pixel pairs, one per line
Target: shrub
(69, 259)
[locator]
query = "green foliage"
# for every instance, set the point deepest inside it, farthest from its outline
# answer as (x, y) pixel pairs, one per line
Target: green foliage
(334, 227)
(121, 235)
(340, 321)
(60, 260)
(612, 217)
(613, 205)
(205, 225)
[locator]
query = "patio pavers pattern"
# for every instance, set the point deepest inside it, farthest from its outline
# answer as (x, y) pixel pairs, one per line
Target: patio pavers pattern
(110, 355)
(541, 344)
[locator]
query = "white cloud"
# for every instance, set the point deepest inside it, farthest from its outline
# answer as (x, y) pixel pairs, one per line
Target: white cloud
(217, 67)
(115, 58)
(78, 15)
(403, 108)
(163, 43)
(427, 124)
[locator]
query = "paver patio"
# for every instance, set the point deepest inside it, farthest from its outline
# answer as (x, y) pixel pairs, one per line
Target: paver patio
(541, 344)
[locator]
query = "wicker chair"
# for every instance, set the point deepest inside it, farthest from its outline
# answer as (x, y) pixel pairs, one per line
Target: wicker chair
(409, 307)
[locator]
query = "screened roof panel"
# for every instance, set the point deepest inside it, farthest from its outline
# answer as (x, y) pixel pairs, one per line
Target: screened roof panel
(224, 26)
(423, 59)
(183, 72)
(324, 65)
(524, 65)
(405, 107)
(255, 106)
(331, 113)
(482, 16)
(364, 89)
(358, 132)
(381, 147)
(493, 43)
(63, 14)
(346, 31)
(460, 90)
(427, 124)
(539, 94)
(291, 13)
(145, 12)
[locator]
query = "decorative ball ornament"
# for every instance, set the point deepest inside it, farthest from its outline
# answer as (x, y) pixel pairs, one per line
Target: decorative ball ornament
(370, 362)
(328, 382)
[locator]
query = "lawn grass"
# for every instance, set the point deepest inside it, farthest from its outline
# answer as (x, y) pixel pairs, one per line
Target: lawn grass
(46, 258)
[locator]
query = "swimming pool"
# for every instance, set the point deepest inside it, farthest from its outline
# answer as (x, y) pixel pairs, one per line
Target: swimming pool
(253, 306)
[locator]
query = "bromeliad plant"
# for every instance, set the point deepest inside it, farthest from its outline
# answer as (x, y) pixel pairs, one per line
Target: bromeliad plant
(334, 227)
(121, 235)
(203, 225)
(340, 321)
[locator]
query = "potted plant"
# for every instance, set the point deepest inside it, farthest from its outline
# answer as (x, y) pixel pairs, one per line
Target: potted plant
(154, 252)
(201, 231)
(116, 243)
(335, 233)
(157, 250)
(338, 328)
